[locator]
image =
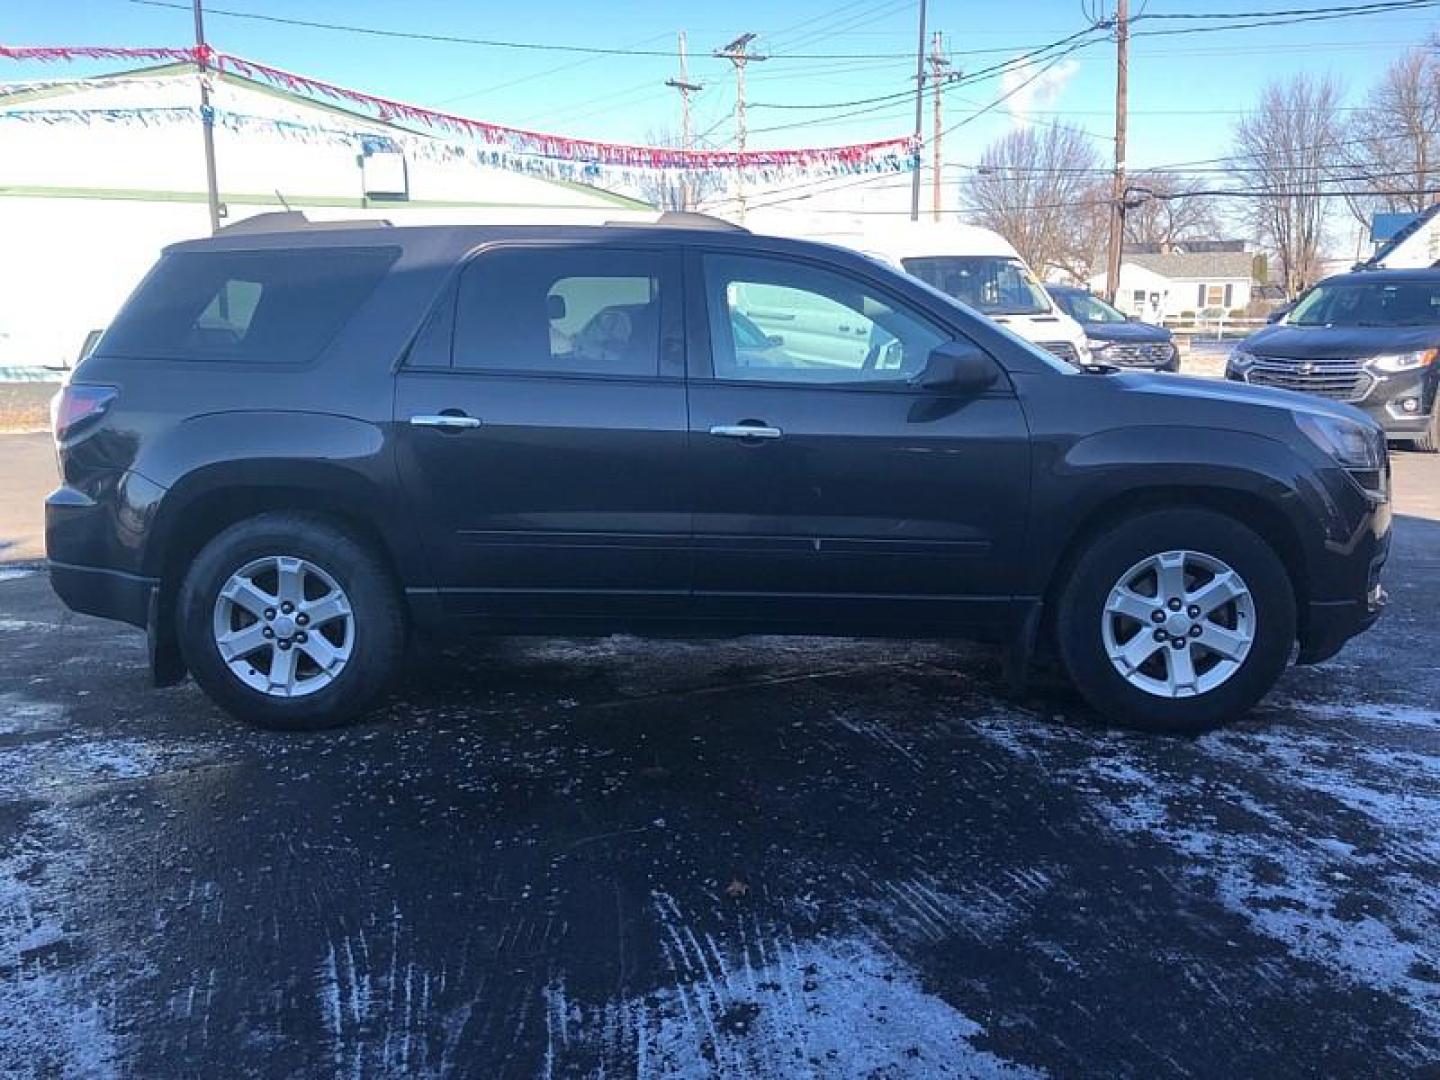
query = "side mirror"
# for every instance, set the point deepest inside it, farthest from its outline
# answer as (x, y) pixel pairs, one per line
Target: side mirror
(959, 368)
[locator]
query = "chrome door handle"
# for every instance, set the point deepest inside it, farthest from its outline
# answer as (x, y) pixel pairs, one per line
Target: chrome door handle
(745, 431)
(443, 421)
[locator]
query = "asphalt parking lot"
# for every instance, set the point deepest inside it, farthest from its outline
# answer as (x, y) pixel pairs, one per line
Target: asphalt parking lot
(764, 857)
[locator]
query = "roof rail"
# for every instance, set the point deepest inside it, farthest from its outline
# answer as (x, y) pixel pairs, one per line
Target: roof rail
(287, 220)
(684, 219)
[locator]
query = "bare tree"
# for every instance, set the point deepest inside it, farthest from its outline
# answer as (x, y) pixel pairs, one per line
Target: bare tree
(673, 189)
(1395, 139)
(1173, 212)
(1284, 152)
(1040, 189)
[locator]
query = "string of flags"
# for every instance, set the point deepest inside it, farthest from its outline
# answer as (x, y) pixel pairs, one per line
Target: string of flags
(459, 137)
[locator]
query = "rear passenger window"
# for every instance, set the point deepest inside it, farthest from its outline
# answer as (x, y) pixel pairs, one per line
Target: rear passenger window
(252, 306)
(574, 311)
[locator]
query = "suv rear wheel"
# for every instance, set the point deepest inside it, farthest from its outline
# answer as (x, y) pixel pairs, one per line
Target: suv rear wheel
(1176, 620)
(290, 622)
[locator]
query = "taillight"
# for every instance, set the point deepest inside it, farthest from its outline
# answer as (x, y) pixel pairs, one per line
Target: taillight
(77, 405)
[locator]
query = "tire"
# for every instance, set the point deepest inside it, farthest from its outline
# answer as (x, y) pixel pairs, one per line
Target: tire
(339, 663)
(1212, 689)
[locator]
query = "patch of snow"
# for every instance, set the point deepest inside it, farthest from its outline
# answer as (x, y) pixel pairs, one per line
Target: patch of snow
(59, 767)
(771, 1006)
(50, 1023)
(1366, 907)
(20, 715)
(16, 626)
(9, 574)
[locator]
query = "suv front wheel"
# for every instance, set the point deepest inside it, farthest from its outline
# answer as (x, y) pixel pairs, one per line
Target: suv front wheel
(290, 622)
(1176, 620)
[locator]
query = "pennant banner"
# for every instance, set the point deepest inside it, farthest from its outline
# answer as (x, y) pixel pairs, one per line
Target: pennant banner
(58, 53)
(882, 155)
(422, 147)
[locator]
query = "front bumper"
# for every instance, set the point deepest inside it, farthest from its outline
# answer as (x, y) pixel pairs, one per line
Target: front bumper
(1384, 397)
(1328, 624)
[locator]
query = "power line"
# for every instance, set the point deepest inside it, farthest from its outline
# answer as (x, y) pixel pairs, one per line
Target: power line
(1375, 6)
(489, 43)
(1017, 64)
(510, 83)
(1379, 9)
(1217, 193)
(1292, 15)
(965, 79)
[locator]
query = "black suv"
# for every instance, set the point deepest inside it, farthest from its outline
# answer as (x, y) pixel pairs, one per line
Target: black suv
(1114, 337)
(1371, 337)
(296, 448)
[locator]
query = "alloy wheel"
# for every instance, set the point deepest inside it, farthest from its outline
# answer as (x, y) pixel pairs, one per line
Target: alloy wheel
(1178, 624)
(284, 626)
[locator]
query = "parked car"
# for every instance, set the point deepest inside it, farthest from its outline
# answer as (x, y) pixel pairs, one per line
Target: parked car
(976, 266)
(1112, 336)
(294, 450)
(1370, 338)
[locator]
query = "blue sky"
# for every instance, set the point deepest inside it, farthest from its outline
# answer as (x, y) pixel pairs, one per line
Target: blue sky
(1185, 91)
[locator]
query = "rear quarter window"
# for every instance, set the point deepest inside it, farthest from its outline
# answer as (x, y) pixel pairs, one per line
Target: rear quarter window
(250, 306)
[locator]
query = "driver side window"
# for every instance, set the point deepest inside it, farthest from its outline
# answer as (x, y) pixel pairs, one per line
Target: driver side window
(773, 320)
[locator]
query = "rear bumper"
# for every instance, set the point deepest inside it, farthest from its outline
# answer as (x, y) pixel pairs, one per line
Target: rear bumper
(110, 594)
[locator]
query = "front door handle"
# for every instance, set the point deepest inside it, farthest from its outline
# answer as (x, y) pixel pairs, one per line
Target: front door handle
(446, 421)
(746, 431)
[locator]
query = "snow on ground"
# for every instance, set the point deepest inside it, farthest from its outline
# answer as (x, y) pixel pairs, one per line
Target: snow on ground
(767, 1004)
(49, 1016)
(1255, 811)
(14, 574)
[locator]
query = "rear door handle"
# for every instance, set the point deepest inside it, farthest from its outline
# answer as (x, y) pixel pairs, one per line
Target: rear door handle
(442, 420)
(746, 431)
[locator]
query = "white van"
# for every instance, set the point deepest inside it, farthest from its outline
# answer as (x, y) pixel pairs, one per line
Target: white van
(976, 266)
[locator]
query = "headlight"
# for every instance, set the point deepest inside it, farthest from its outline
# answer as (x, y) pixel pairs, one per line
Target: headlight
(1390, 363)
(1240, 360)
(1357, 447)
(1095, 345)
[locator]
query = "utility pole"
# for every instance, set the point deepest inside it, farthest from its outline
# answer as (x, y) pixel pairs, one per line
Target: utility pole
(1117, 190)
(737, 52)
(938, 78)
(207, 117)
(687, 139)
(919, 116)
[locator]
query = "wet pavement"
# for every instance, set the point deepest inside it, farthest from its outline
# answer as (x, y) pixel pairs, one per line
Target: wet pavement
(763, 857)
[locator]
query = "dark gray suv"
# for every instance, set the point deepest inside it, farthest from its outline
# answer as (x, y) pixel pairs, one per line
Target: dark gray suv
(298, 447)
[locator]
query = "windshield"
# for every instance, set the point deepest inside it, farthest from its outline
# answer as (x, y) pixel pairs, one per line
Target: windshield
(1369, 303)
(1084, 308)
(991, 284)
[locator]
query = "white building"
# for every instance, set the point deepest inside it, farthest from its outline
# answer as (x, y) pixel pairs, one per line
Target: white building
(1155, 287)
(1415, 245)
(97, 175)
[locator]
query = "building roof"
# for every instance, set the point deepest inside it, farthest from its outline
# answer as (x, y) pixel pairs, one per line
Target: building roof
(1208, 265)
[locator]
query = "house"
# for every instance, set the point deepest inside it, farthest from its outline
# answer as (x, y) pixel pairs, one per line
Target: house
(1167, 286)
(98, 175)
